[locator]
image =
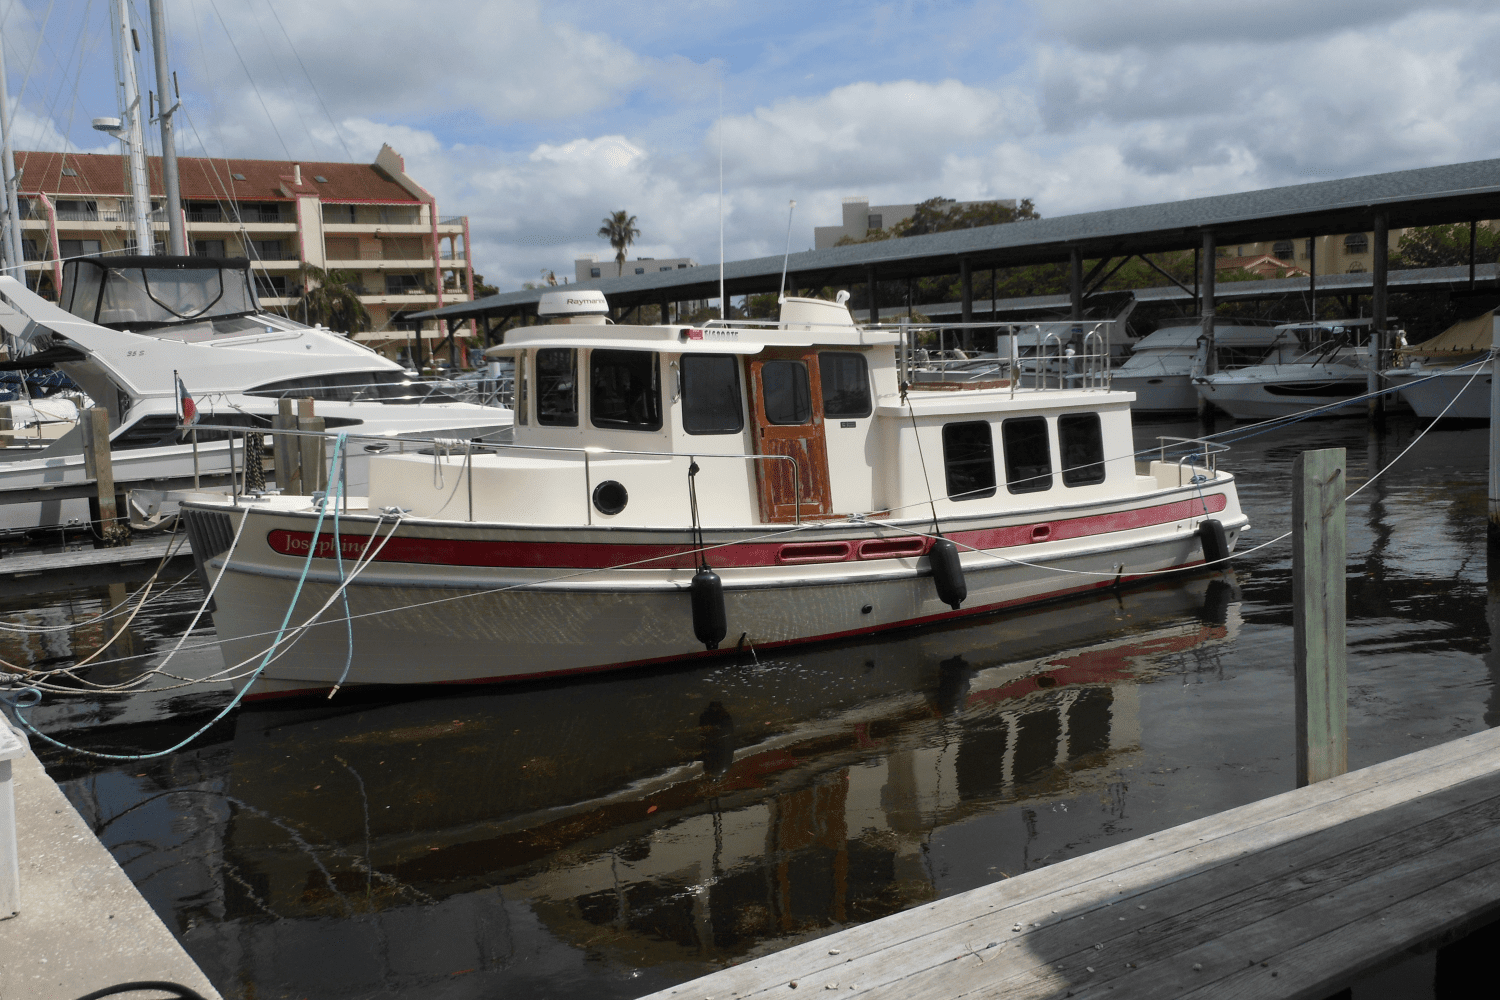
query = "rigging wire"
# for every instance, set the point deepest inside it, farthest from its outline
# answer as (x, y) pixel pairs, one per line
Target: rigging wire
(310, 84)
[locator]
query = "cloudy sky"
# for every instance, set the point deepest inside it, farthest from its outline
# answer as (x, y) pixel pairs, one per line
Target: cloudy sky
(536, 119)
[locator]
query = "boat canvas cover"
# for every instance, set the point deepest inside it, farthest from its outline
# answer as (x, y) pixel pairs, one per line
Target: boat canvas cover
(1466, 337)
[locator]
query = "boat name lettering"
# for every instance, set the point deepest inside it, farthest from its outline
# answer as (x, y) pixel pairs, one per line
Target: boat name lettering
(721, 335)
(296, 543)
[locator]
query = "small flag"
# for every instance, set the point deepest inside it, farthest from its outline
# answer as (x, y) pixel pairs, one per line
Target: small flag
(189, 408)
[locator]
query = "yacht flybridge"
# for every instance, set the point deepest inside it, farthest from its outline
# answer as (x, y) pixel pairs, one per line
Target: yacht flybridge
(128, 327)
(671, 491)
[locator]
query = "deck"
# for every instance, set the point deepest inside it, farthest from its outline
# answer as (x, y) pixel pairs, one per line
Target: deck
(34, 572)
(1292, 896)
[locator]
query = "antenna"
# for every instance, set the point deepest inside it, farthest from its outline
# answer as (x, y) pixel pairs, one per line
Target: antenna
(791, 207)
(723, 305)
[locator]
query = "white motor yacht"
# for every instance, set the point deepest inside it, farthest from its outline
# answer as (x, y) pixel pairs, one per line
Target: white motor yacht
(128, 328)
(672, 491)
(1161, 368)
(1438, 376)
(1332, 365)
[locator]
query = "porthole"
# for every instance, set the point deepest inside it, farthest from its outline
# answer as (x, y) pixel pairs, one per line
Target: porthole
(610, 497)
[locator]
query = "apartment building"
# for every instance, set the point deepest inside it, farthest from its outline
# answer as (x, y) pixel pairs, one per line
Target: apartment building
(371, 219)
(860, 217)
(589, 266)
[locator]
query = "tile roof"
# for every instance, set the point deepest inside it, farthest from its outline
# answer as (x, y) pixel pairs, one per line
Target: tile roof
(205, 179)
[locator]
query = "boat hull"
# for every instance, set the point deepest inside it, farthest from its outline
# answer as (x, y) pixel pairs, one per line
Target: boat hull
(1280, 394)
(574, 615)
(1158, 393)
(1429, 393)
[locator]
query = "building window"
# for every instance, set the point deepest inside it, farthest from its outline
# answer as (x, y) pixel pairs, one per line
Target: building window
(1082, 444)
(788, 394)
(593, 272)
(640, 270)
(69, 172)
(624, 390)
(79, 248)
(77, 211)
(846, 385)
(1356, 268)
(401, 284)
(267, 249)
(28, 250)
(969, 458)
(1283, 249)
(668, 268)
(341, 247)
(711, 394)
(876, 221)
(557, 387)
(158, 249)
(1356, 243)
(682, 265)
(204, 212)
(208, 248)
(1028, 455)
(271, 286)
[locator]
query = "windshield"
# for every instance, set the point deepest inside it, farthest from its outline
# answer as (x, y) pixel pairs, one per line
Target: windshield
(128, 298)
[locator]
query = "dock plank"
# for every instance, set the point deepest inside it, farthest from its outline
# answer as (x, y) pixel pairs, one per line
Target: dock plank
(31, 572)
(1334, 878)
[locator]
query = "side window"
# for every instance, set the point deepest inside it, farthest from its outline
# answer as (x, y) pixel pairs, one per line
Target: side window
(557, 387)
(1082, 444)
(625, 390)
(846, 385)
(711, 394)
(969, 458)
(1028, 456)
(788, 392)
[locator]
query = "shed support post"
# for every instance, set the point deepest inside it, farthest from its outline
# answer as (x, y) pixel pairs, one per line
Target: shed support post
(966, 287)
(1381, 340)
(870, 286)
(1208, 259)
(1075, 283)
(1494, 497)
(1318, 607)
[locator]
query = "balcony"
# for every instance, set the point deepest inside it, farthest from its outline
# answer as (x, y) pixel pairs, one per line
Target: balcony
(275, 256)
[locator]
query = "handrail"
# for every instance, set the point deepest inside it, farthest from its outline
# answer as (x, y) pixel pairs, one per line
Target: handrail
(1200, 448)
(449, 445)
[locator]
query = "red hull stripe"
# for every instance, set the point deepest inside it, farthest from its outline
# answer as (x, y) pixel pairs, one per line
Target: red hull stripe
(595, 555)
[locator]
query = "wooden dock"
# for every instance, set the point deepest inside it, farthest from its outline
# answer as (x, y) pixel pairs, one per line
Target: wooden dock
(35, 572)
(1293, 896)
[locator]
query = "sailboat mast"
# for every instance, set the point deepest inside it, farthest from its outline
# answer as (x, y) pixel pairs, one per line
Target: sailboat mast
(12, 208)
(140, 193)
(167, 95)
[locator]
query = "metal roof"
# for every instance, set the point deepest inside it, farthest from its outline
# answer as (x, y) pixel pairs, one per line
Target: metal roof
(1426, 196)
(1452, 279)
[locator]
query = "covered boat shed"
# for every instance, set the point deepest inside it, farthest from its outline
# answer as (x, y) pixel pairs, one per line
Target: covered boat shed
(1441, 195)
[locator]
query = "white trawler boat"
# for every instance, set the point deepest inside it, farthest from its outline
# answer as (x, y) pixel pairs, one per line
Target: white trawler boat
(1332, 365)
(670, 490)
(128, 327)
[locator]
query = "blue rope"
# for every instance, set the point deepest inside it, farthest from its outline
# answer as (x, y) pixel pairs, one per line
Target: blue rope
(338, 544)
(264, 662)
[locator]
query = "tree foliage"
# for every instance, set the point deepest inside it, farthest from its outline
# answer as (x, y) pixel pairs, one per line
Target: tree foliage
(1445, 246)
(332, 299)
(619, 228)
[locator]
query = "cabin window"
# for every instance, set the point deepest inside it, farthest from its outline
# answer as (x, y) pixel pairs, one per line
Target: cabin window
(624, 390)
(557, 387)
(1028, 456)
(788, 395)
(1082, 444)
(846, 385)
(969, 457)
(711, 394)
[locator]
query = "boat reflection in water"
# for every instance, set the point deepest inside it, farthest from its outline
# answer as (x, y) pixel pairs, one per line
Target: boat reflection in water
(647, 825)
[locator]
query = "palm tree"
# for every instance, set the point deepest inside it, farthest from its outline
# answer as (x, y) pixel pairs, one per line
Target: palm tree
(619, 229)
(332, 298)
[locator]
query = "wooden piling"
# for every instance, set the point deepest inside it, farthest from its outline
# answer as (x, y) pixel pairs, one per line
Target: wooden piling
(1318, 607)
(1494, 505)
(6, 426)
(314, 455)
(105, 508)
(285, 453)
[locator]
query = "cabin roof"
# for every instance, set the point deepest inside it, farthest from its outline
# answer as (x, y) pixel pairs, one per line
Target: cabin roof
(688, 340)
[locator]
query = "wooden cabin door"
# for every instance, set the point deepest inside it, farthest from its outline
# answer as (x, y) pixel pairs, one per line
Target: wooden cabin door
(788, 411)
